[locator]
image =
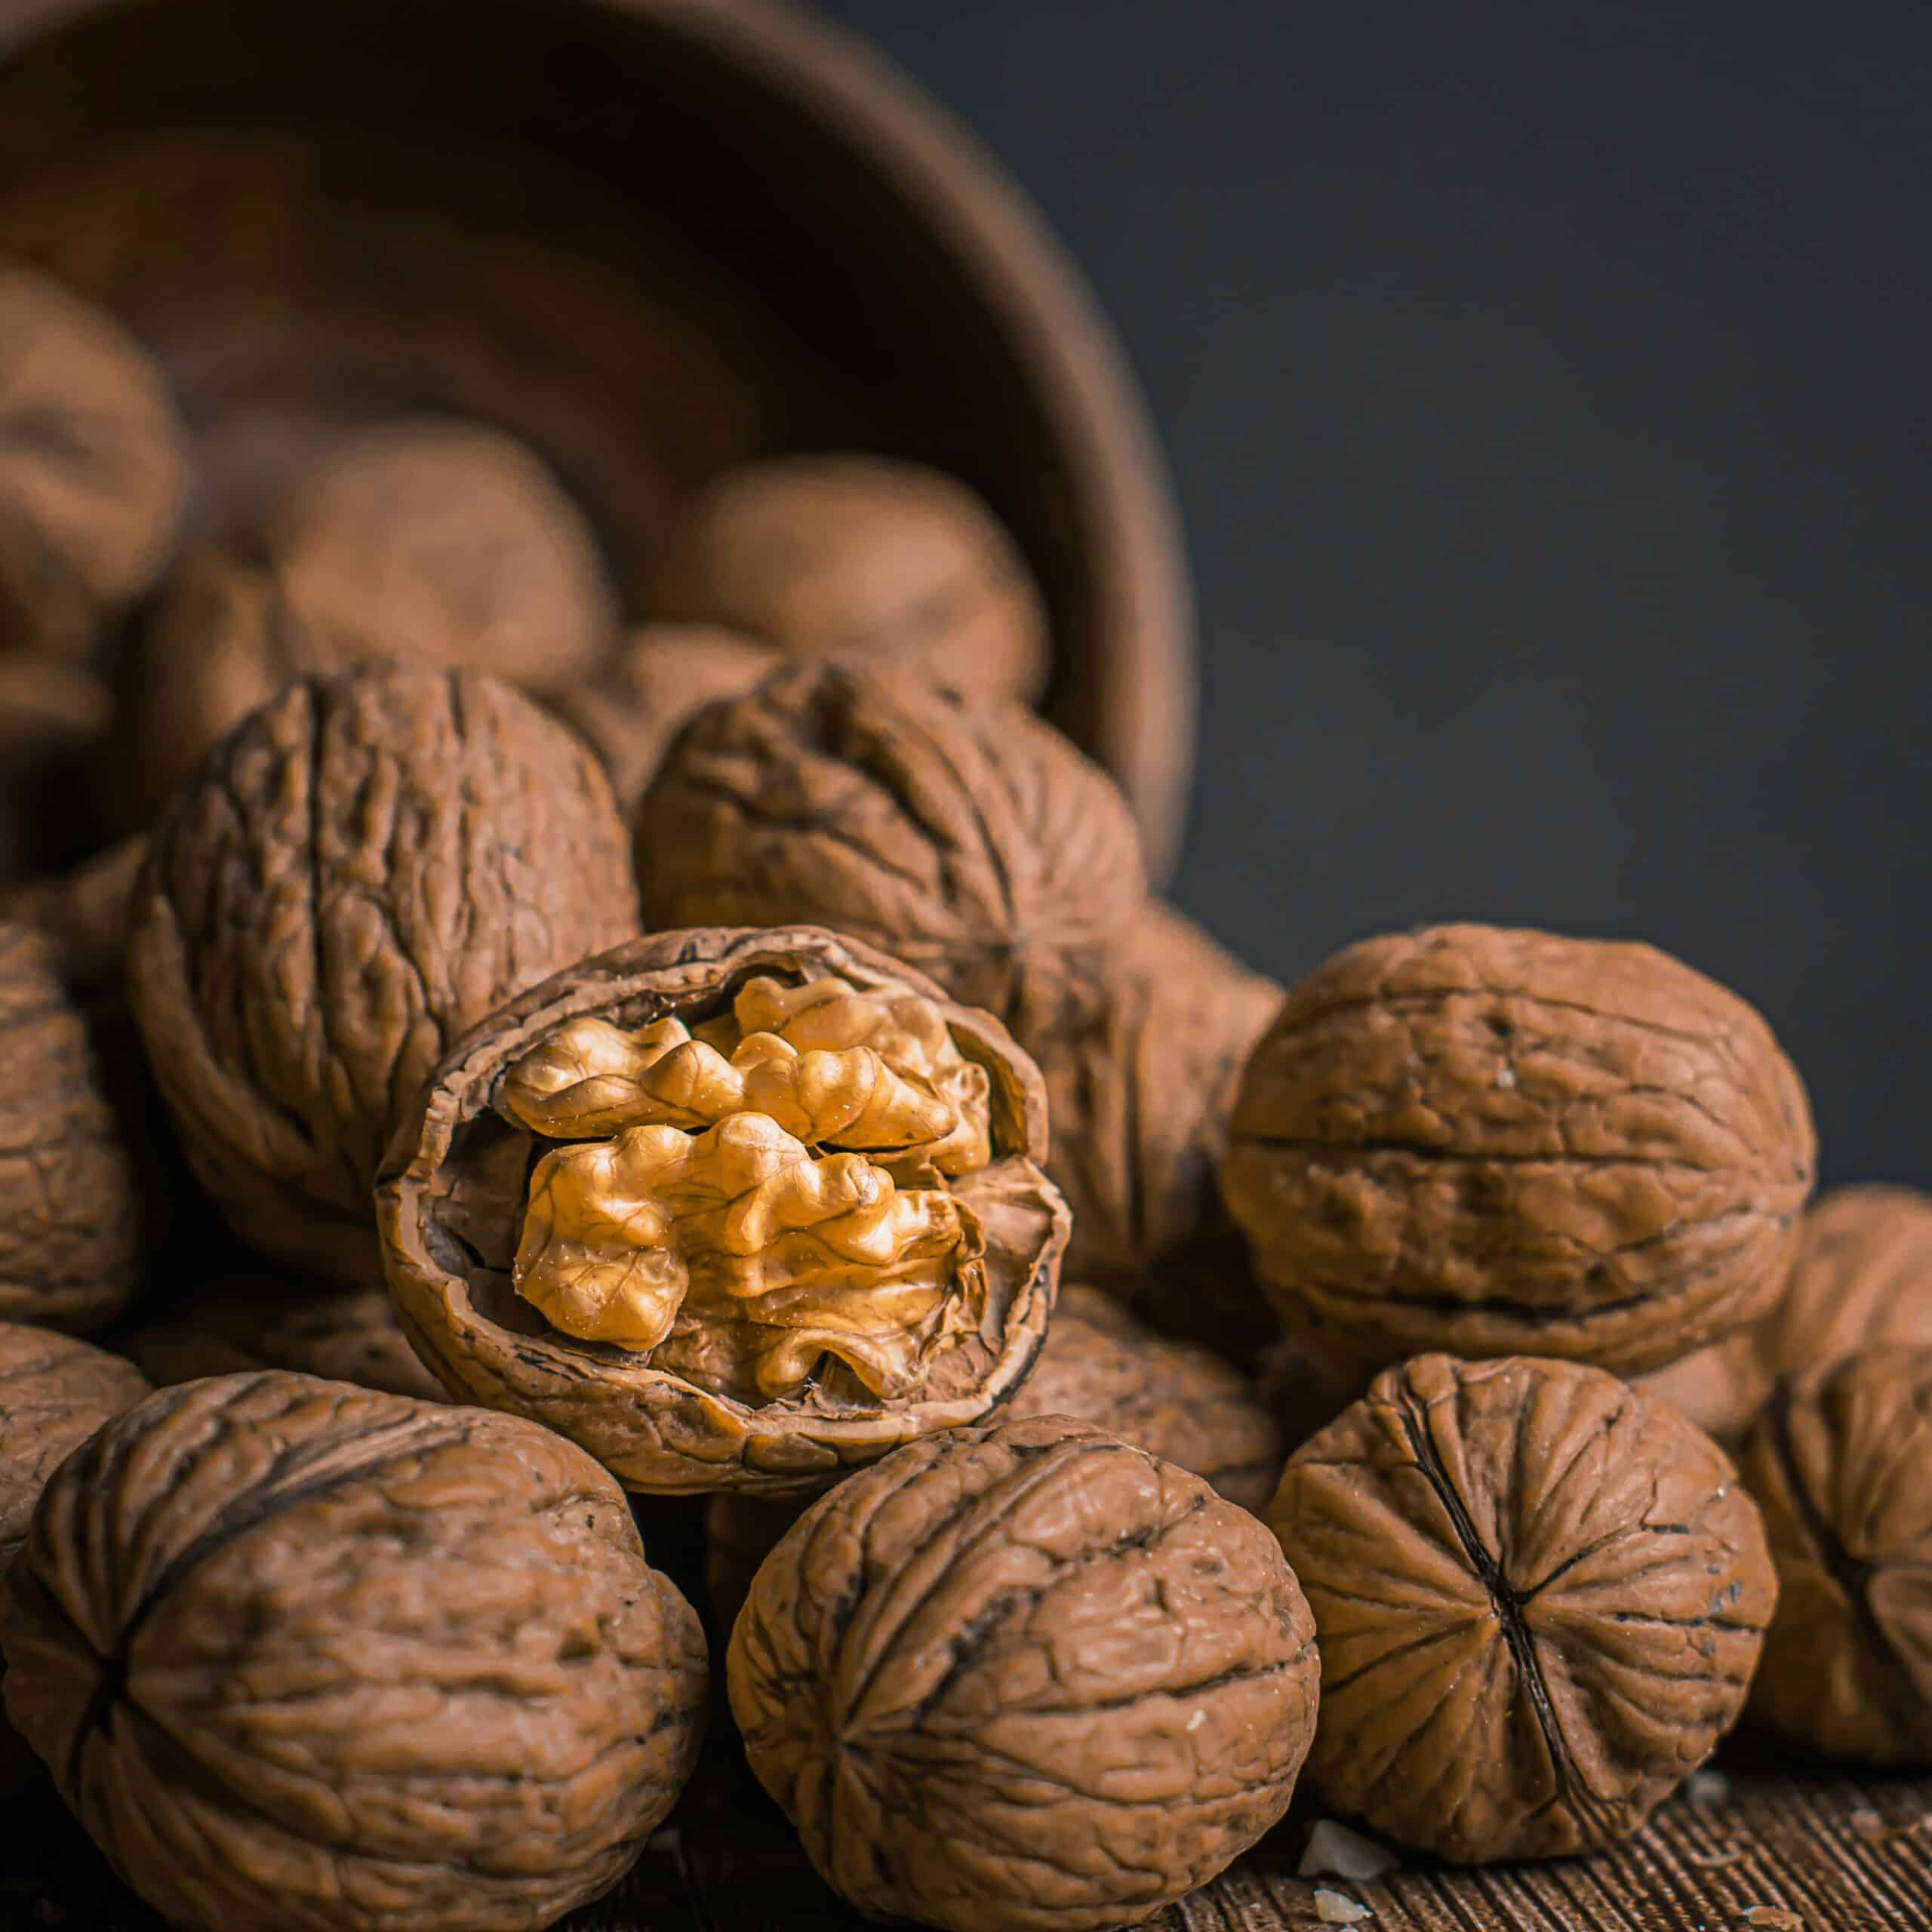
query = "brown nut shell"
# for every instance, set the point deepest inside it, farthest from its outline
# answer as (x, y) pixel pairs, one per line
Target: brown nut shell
(1498, 1141)
(451, 1202)
(969, 839)
(1841, 1460)
(302, 1657)
(1540, 1597)
(1025, 1677)
(94, 466)
(365, 869)
(865, 559)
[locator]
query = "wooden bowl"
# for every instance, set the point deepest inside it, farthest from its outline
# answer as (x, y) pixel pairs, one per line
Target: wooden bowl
(651, 237)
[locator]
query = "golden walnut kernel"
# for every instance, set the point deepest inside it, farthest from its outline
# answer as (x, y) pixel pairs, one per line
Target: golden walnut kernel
(1493, 1142)
(1863, 1276)
(368, 866)
(862, 559)
(969, 839)
(1841, 1460)
(1540, 1597)
(308, 1659)
(1025, 1677)
(590, 1220)
(94, 466)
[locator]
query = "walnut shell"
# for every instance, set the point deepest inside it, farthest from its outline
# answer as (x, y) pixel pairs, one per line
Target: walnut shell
(54, 1393)
(1493, 1142)
(83, 914)
(1021, 1677)
(1841, 1460)
(452, 1199)
(226, 1327)
(861, 558)
(970, 840)
(1863, 1275)
(73, 1236)
(300, 1656)
(52, 714)
(94, 472)
(365, 869)
(1540, 1597)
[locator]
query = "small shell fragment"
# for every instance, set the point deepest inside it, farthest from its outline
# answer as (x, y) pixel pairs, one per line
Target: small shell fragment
(1336, 1909)
(1335, 1852)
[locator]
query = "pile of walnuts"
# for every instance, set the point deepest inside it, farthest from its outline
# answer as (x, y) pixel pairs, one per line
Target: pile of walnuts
(490, 1072)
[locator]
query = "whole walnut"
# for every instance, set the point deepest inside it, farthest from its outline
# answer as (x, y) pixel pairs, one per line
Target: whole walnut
(1540, 1597)
(302, 1656)
(1493, 1142)
(366, 868)
(1863, 1275)
(52, 714)
(54, 1393)
(224, 1326)
(631, 711)
(733, 1209)
(969, 839)
(74, 1227)
(1100, 1366)
(431, 545)
(862, 559)
(1839, 1459)
(1025, 1677)
(94, 466)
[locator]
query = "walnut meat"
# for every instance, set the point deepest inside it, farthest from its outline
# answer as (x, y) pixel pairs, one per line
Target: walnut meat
(970, 840)
(1540, 1597)
(72, 1227)
(367, 867)
(54, 1393)
(1494, 1142)
(858, 557)
(1027, 1676)
(1863, 1275)
(301, 1656)
(1840, 1459)
(733, 1209)
(94, 466)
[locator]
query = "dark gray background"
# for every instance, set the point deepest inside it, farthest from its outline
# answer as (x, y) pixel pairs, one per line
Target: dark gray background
(1547, 395)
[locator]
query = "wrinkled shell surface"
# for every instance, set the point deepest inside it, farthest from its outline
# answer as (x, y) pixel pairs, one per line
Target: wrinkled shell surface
(52, 714)
(1025, 1677)
(302, 1656)
(1840, 1459)
(971, 840)
(94, 466)
(1863, 1275)
(452, 1203)
(1495, 1142)
(857, 558)
(367, 867)
(1540, 1597)
(72, 1232)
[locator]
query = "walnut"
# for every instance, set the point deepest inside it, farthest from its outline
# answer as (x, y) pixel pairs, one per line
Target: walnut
(1101, 1366)
(1027, 1676)
(83, 914)
(1841, 1460)
(430, 545)
(1863, 1275)
(226, 1325)
(302, 1656)
(94, 472)
(589, 1220)
(54, 1393)
(970, 840)
(864, 559)
(1491, 1142)
(1540, 1597)
(51, 718)
(73, 1231)
(664, 673)
(366, 868)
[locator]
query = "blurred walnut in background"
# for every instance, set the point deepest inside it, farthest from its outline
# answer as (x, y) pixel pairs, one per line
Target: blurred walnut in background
(53, 716)
(862, 558)
(94, 466)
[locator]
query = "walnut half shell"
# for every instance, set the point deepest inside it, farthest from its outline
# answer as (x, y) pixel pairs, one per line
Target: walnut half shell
(637, 1293)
